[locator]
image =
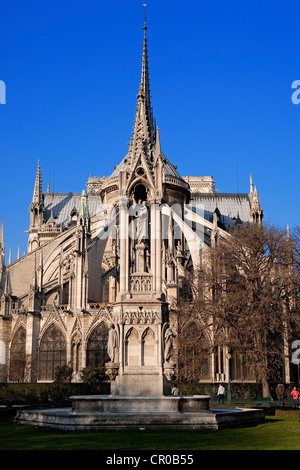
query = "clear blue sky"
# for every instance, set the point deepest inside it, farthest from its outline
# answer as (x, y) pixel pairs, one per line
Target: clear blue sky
(221, 75)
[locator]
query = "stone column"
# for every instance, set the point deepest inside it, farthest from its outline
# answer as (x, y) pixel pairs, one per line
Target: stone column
(153, 245)
(69, 350)
(121, 347)
(83, 354)
(78, 282)
(71, 290)
(112, 289)
(159, 345)
(5, 337)
(158, 250)
(123, 237)
(31, 347)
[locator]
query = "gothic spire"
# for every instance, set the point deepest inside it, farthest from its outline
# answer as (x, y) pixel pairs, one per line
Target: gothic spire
(1, 249)
(37, 197)
(1, 235)
(36, 208)
(157, 145)
(251, 183)
(145, 84)
(256, 212)
(83, 218)
(143, 136)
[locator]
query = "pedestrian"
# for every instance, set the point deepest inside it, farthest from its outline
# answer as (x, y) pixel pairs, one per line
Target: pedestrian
(221, 393)
(295, 395)
(280, 394)
(175, 390)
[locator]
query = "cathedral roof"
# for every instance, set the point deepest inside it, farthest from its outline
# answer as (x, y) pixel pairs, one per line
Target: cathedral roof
(231, 207)
(61, 205)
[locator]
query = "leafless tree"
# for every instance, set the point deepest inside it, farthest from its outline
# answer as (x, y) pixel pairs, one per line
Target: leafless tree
(245, 299)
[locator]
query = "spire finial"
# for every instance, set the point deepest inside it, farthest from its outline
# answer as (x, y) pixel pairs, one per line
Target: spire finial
(144, 112)
(145, 16)
(1, 247)
(157, 143)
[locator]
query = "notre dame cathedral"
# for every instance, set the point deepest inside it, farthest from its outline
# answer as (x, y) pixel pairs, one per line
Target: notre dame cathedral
(103, 272)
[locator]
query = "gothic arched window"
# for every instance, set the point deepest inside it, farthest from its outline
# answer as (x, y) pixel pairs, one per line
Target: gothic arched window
(17, 356)
(52, 353)
(97, 354)
(132, 348)
(148, 348)
(140, 193)
(238, 368)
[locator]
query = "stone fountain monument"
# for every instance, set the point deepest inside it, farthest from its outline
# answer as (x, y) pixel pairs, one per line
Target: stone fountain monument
(140, 373)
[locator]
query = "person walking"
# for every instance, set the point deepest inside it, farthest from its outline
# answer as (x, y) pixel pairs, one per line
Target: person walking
(295, 395)
(221, 393)
(280, 394)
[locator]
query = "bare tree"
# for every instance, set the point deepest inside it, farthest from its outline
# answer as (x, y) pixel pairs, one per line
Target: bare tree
(246, 299)
(295, 240)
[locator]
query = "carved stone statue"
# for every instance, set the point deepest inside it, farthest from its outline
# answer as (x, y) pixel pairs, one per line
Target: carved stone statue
(142, 222)
(169, 335)
(112, 345)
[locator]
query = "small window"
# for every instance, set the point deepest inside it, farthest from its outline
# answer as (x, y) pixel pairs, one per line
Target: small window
(140, 193)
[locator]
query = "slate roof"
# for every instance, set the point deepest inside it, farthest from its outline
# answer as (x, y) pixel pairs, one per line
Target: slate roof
(230, 207)
(170, 169)
(118, 168)
(62, 205)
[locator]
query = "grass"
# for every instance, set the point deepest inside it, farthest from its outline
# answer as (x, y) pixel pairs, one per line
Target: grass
(276, 433)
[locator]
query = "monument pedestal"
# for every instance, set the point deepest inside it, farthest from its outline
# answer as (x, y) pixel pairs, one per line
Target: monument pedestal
(121, 412)
(140, 404)
(139, 383)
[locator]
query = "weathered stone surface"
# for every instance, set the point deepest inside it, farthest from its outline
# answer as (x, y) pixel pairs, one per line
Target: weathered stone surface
(114, 413)
(140, 404)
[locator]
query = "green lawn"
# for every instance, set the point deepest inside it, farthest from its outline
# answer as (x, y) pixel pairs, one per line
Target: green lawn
(276, 433)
